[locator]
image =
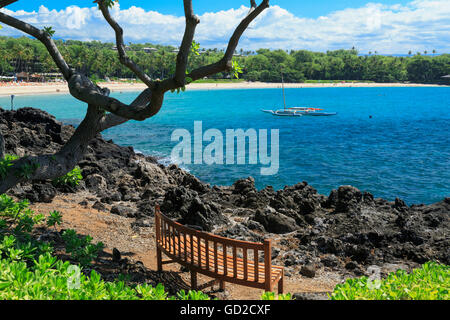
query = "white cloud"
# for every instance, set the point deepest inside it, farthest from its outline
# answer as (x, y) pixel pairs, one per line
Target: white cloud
(418, 26)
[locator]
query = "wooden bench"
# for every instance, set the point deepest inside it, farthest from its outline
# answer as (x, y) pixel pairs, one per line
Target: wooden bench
(222, 259)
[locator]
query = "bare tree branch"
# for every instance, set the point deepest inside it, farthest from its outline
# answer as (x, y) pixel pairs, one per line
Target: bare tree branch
(112, 120)
(182, 59)
(4, 3)
(82, 88)
(225, 63)
(123, 57)
(253, 14)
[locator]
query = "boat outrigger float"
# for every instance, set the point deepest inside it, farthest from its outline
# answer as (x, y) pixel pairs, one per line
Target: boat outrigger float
(297, 111)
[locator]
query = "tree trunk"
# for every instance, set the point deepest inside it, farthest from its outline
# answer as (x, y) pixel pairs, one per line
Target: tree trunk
(2, 147)
(54, 166)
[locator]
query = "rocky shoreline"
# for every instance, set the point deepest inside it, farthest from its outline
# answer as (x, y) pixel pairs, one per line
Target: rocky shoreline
(346, 232)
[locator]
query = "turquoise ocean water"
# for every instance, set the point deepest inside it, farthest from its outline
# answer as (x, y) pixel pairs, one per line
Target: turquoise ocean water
(402, 151)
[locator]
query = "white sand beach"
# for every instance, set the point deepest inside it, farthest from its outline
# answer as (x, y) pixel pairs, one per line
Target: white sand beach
(61, 88)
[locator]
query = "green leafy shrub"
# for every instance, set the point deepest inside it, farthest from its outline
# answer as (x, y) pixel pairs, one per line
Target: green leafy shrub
(72, 178)
(272, 296)
(80, 247)
(19, 215)
(192, 295)
(10, 208)
(431, 282)
(49, 279)
(55, 218)
(5, 164)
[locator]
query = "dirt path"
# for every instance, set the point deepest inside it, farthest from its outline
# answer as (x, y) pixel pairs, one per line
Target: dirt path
(138, 244)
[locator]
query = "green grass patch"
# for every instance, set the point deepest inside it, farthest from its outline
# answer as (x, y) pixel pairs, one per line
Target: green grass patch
(430, 282)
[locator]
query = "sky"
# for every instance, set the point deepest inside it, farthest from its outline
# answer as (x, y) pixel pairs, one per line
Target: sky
(385, 26)
(305, 8)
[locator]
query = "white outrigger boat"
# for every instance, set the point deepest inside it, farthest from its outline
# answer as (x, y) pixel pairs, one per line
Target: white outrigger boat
(300, 112)
(313, 112)
(297, 111)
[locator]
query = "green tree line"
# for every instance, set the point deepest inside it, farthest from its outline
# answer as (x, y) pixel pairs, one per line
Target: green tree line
(100, 60)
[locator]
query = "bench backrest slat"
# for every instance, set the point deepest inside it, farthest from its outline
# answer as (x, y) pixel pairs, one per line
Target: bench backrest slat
(185, 247)
(235, 261)
(175, 241)
(158, 229)
(225, 260)
(164, 233)
(207, 255)
(216, 267)
(256, 262)
(169, 237)
(191, 240)
(172, 233)
(245, 264)
(199, 251)
(178, 242)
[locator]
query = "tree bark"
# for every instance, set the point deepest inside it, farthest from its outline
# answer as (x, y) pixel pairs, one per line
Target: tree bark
(4, 3)
(2, 146)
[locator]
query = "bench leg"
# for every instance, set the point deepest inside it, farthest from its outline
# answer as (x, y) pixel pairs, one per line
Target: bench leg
(193, 280)
(281, 284)
(222, 285)
(268, 287)
(159, 259)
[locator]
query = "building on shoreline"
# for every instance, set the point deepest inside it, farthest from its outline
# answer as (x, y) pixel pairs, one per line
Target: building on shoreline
(446, 78)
